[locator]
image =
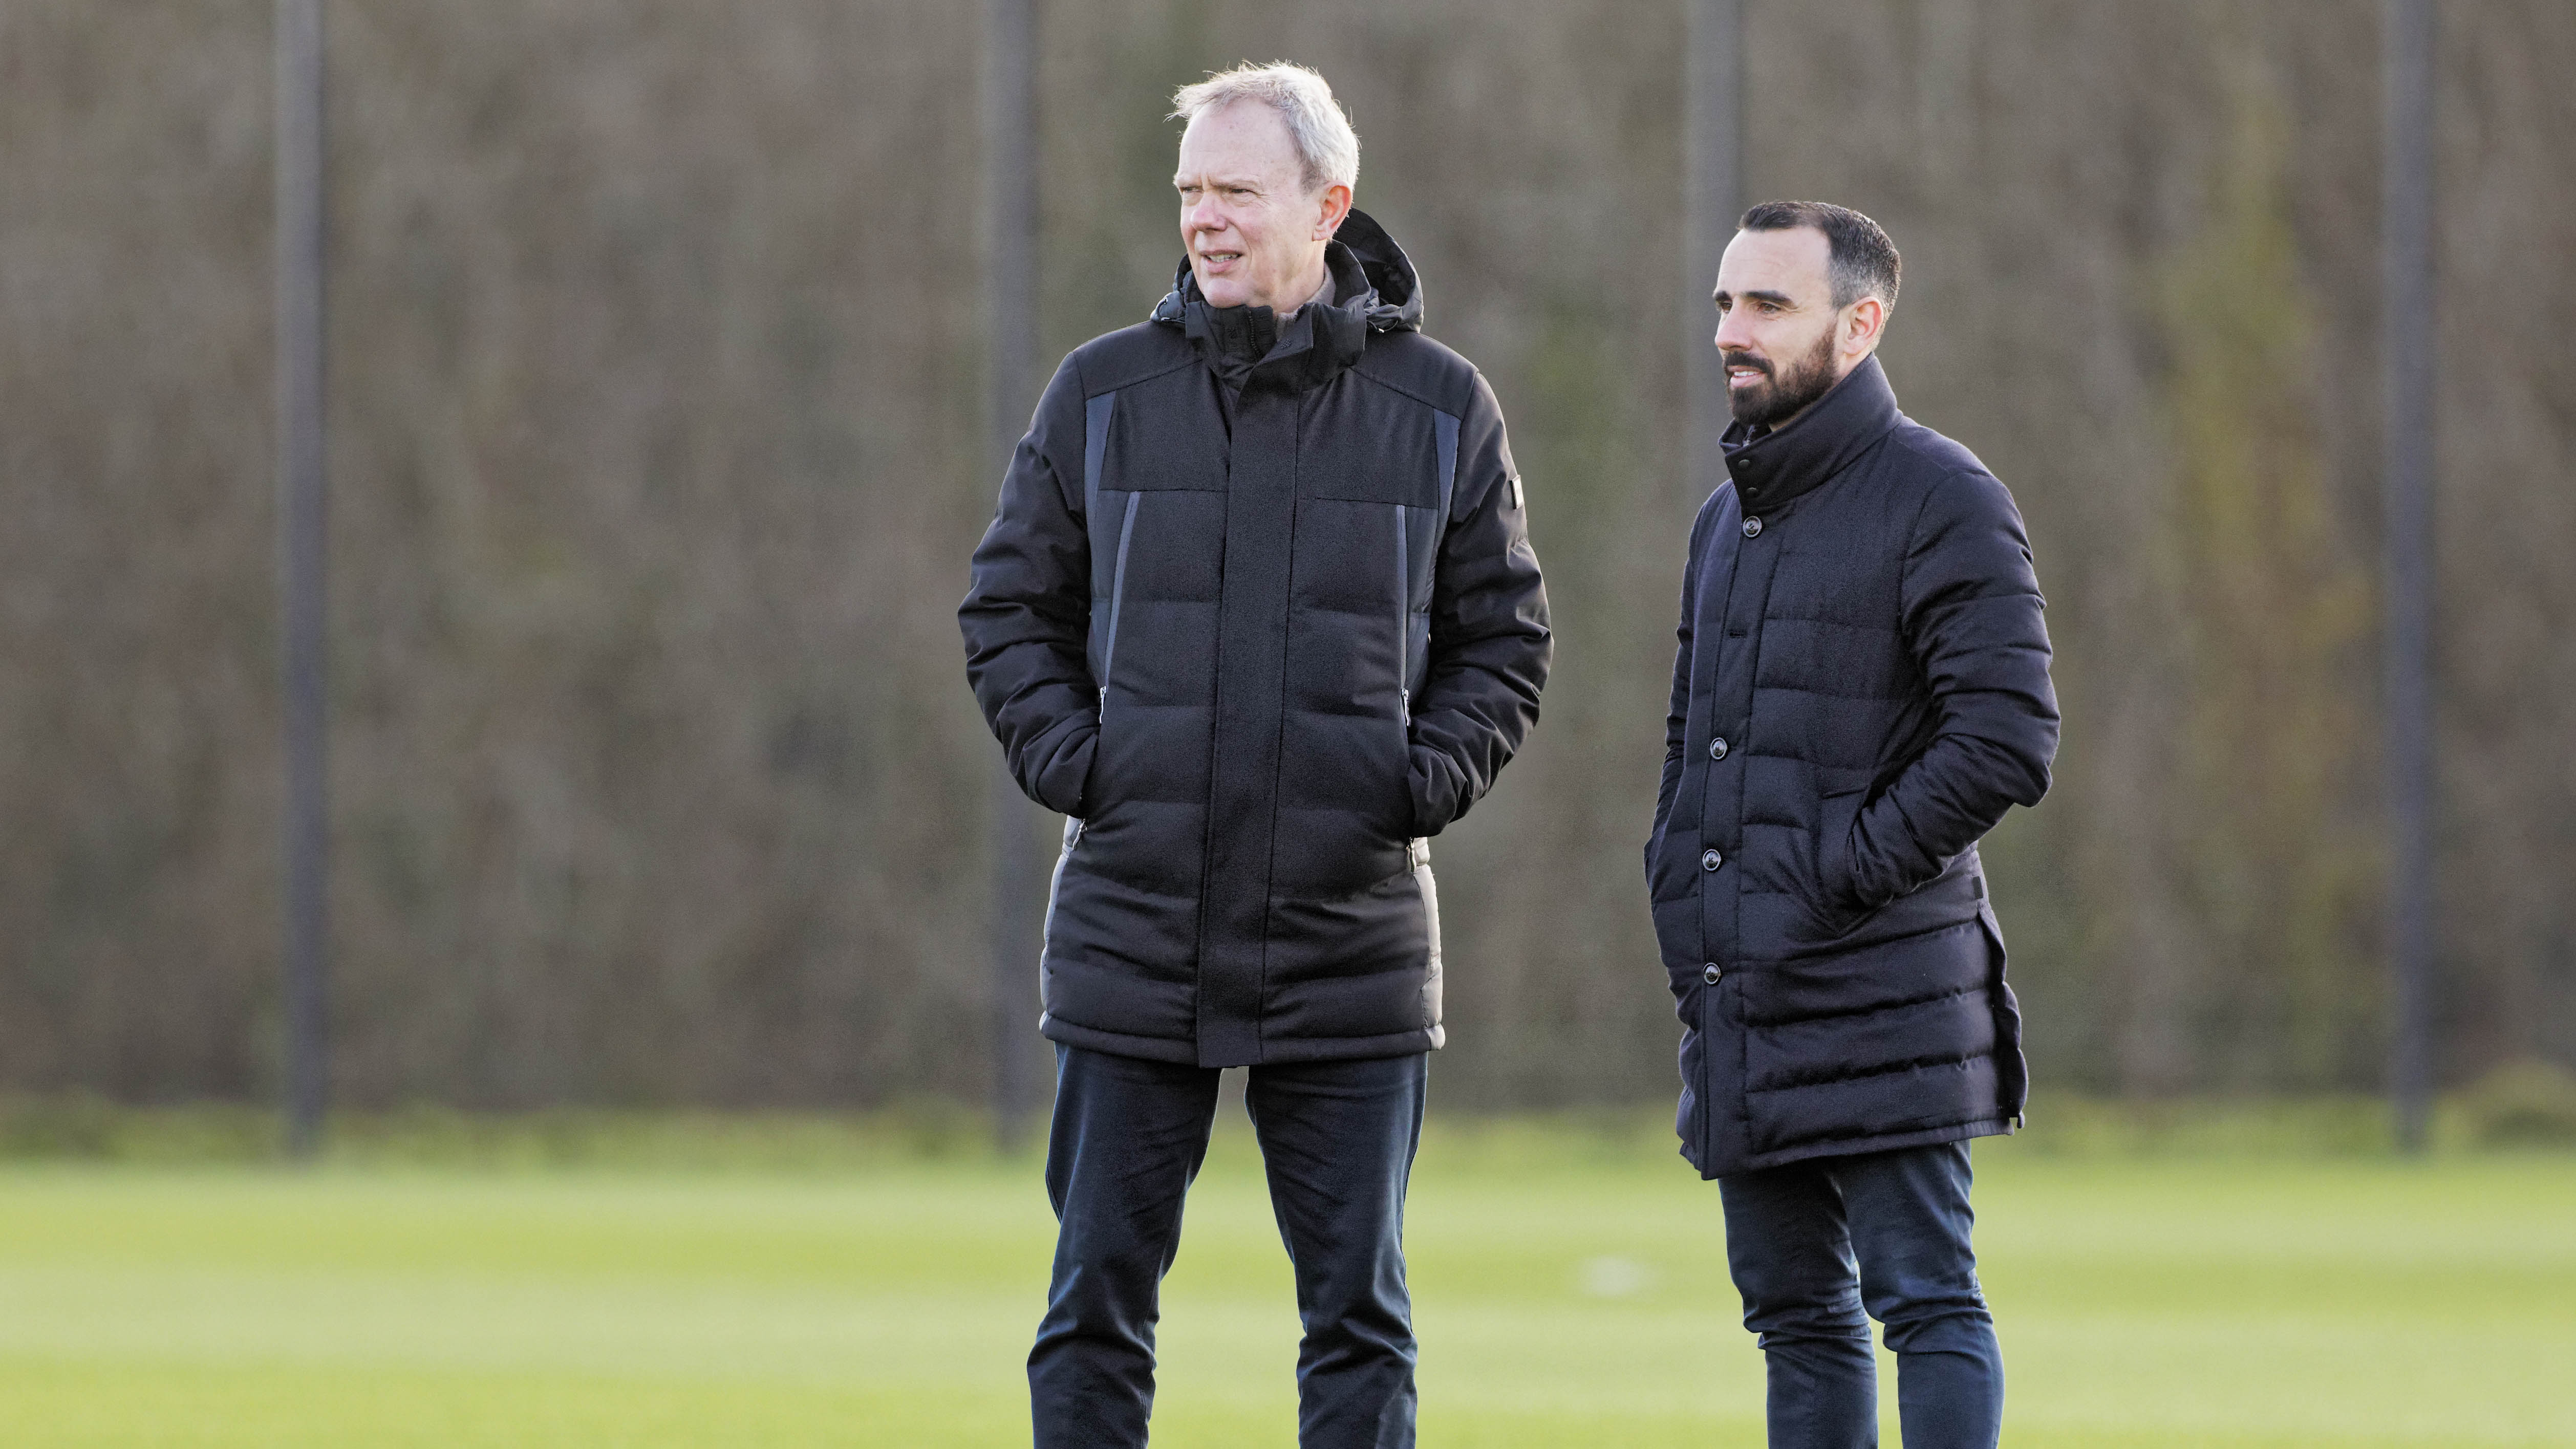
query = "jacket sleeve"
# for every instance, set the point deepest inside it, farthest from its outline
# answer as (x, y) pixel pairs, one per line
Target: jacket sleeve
(1971, 616)
(1490, 642)
(1027, 615)
(1677, 713)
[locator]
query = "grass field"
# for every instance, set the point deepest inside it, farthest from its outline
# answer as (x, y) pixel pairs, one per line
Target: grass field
(1570, 1288)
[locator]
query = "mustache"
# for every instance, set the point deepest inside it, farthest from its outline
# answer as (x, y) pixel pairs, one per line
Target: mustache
(1728, 357)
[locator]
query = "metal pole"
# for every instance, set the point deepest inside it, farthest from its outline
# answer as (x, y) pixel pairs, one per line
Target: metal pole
(1712, 197)
(1010, 86)
(2407, 345)
(300, 541)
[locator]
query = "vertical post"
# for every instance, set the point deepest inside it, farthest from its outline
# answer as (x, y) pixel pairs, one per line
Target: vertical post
(300, 562)
(1010, 84)
(1712, 196)
(2407, 344)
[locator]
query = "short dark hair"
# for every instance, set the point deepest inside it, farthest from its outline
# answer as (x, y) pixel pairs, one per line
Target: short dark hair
(1862, 261)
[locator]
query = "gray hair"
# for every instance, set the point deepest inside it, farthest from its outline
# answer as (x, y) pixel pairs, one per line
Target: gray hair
(1328, 150)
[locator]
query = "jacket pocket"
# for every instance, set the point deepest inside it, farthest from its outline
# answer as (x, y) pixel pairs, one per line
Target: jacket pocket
(1059, 776)
(1833, 899)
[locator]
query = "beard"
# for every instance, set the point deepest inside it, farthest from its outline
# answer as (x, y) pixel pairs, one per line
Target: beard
(1780, 396)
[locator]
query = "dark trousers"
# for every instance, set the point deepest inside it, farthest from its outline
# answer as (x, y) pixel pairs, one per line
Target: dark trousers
(1337, 1139)
(1815, 1244)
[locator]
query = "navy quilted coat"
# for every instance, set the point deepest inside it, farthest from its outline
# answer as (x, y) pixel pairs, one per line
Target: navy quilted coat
(1861, 692)
(1260, 619)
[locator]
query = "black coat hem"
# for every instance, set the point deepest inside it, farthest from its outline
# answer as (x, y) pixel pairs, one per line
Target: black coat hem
(1118, 1043)
(1855, 1146)
(1273, 1052)
(1353, 1048)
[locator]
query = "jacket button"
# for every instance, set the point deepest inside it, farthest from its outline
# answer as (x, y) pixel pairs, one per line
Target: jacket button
(1753, 528)
(1717, 748)
(1710, 860)
(1711, 974)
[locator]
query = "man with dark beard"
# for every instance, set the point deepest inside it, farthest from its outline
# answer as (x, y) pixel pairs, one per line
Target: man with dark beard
(1860, 693)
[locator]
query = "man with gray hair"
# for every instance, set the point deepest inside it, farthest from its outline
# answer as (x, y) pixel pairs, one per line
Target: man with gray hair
(1258, 612)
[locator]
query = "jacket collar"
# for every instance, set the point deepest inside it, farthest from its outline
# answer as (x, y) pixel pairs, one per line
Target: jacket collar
(1776, 467)
(1375, 289)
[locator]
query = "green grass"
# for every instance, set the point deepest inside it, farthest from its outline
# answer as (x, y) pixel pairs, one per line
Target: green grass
(1571, 1290)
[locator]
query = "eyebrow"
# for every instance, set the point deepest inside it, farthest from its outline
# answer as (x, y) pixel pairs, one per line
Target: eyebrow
(1246, 182)
(1782, 299)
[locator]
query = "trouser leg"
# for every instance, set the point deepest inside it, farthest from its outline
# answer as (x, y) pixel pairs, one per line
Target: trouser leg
(1337, 1139)
(1910, 1226)
(1790, 1251)
(1127, 1137)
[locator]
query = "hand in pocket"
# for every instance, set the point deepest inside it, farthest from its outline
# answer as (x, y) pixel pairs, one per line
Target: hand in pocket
(1833, 893)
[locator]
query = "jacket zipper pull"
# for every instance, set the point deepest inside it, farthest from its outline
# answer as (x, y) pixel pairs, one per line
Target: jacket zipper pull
(1404, 704)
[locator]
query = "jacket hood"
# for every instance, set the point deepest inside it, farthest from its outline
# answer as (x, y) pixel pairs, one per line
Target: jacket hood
(1374, 283)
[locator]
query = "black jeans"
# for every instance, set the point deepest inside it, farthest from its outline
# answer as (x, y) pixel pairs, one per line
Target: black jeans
(1337, 1139)
(1814, 1244)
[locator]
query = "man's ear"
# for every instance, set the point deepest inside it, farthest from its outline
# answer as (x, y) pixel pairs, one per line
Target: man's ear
(1862, 327)
(1335, 205)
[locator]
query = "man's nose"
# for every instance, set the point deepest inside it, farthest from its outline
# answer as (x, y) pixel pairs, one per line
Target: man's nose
(1732, 333)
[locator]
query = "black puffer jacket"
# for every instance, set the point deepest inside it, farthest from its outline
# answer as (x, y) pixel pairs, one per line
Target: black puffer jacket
(1260, 621)
(1861, 691)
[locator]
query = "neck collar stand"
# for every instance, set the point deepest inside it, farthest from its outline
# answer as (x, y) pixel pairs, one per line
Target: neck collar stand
(1778, 466)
